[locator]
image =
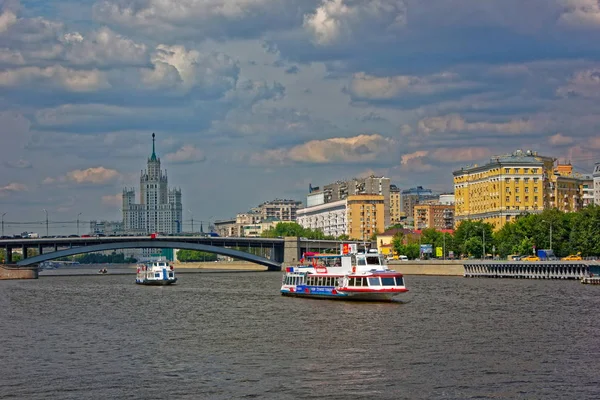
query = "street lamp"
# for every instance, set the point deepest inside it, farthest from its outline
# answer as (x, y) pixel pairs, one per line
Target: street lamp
(484, 242)
(78, 223)
(3, 214)
(46, 211)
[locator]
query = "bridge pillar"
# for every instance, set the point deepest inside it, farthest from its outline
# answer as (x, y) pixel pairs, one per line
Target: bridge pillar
(14, 272)
(8, 252)
(291, 250)
(24, 250)
(40, 249)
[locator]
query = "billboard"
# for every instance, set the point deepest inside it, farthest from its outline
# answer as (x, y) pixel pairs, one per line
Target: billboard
(348, 248)
(426, 249)
(439, 252)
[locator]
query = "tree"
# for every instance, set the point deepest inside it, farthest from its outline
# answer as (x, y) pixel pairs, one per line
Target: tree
(283, 229)
(195, 255)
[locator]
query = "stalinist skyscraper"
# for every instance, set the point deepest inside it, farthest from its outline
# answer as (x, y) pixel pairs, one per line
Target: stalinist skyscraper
(159, 209)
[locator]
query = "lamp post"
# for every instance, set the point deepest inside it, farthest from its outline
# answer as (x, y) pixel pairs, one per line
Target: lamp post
(550, 222)
(484, 242)
(3, 214)
(444, 237)
(78, 223)
(46, 211)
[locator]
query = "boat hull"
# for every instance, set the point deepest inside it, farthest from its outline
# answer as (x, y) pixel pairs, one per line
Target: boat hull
(158, 282)
(352, 296)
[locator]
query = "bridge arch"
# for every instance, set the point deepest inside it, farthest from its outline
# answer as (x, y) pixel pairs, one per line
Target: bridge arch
(271, 265)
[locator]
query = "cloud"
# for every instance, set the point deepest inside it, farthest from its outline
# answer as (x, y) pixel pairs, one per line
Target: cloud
(12, 188)
(186, 154)
(177, 68)
(20, 164)
(368, 87)
(456, 123)
(450, 155)
(7, 19)
(581, 14)
(559, 139)
(406, 158)
(55, 76)
(95, 175)
(339, 20)
(361, 148)
(112, 200)
(584, 83)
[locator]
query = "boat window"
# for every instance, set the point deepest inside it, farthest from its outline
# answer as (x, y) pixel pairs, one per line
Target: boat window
(373, 260)
(360, 261)
(374, 281)
(157, 275)
(399, 281)
(170, 275)
(385, 281)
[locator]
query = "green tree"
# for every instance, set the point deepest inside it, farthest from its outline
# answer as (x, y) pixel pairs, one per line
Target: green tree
(195, 256)
(585, 232)
(283, 229)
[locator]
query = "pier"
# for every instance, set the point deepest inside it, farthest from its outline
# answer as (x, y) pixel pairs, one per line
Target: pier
(531, 269)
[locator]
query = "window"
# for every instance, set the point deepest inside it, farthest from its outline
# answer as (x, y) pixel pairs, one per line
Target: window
(387, 281)
(399, 281)
(526, 190)
(374, 281)
(517, 199)
(507, 170)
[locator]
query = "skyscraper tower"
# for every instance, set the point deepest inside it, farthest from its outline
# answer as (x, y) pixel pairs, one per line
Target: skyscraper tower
(159, 209)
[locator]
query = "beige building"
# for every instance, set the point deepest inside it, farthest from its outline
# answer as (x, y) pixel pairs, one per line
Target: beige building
(395, 214)
(513, 184)
(374, 185)
(282, 209)
(365, 215)
(330, 218)
(437, 216)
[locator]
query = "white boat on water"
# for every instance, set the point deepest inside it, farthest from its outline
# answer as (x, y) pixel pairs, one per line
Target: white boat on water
(346, 277)
(155, 273)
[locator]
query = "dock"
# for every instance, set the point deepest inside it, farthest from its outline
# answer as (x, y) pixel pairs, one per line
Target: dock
(531, 269)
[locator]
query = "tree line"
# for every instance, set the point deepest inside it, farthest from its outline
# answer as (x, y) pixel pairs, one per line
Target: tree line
(564, 233)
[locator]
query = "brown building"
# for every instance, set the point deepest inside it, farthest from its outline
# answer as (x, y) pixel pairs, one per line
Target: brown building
(437, 216)
(365, 215)
(395, 215)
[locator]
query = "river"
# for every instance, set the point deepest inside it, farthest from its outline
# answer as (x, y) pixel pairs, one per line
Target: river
(231, 335)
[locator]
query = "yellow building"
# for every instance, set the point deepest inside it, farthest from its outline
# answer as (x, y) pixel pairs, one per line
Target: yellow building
(365, 215)
(437, 216)
(510, 185)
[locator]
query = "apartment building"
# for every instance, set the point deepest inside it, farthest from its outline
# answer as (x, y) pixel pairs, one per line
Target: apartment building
(437, 216)
(330, 218)
(365, 213)
(596, 178)
(409, 198)
(513, 184)
(282, 209)
(395, 213)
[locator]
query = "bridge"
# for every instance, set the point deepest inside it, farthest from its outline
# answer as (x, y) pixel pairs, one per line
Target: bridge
(269, 252)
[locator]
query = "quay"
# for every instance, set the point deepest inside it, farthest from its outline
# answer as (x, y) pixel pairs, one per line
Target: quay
(531, 269)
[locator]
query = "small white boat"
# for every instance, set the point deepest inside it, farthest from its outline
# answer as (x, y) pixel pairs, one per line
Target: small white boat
(155, 273)
(345, 277)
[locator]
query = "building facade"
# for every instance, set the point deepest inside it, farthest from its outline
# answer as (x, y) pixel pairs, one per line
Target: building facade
(330, 218)
(282, 209)
(409, 198)
(106, 228)
(159, 209)
(365, 215)
(436, 216)
(373, 185)
(596, 178)
(395, 213)
(513, 184)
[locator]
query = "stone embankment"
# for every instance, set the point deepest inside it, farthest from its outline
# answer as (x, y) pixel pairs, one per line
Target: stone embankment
(14, 272)
(434, 267)
(234, 265)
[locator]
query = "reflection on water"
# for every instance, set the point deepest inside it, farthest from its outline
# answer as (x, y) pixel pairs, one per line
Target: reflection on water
(231, 335)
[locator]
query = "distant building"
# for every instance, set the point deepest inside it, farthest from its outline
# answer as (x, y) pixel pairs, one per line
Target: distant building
(160, 209)
(330, 217)
(340, 190)
(106, 227)
(513, 184)
(409, 198)
(587, 190)
(596, 177)
(395, 212)
(365, 213)
(282, 209)
(436, 216)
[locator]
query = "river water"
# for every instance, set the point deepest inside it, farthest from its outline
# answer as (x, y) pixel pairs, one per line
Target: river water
(231, 335)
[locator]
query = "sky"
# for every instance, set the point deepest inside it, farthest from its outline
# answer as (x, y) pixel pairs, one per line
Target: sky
(252, 100)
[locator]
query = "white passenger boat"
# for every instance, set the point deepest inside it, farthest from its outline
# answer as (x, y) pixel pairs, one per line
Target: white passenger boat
(347, 277)
(155, 273)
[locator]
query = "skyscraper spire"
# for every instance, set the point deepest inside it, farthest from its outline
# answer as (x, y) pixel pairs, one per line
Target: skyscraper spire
(153, 156)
